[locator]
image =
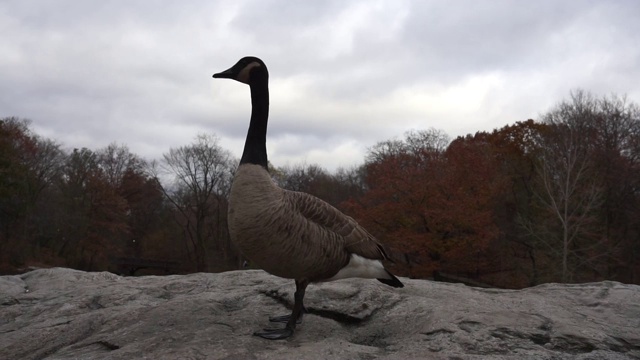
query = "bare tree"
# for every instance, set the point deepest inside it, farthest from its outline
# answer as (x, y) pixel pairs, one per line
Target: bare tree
(300, 177)
(569, 190)
(202, 173)
(115, 160)
(572, 193)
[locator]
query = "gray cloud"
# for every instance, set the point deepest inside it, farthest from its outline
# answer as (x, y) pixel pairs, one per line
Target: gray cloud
(343, 74)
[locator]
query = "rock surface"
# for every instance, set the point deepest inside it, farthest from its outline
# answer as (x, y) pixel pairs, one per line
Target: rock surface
(69, 314)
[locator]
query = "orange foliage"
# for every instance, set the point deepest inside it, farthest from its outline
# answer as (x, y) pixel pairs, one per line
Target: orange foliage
(432, 205)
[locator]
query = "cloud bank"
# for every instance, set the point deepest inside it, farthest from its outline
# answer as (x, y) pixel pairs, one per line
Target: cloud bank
(344, 74)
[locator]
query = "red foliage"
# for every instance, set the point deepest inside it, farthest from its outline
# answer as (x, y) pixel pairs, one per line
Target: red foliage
(434, 206)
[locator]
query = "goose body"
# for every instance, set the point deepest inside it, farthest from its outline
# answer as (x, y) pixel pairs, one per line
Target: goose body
(287, 233)
(270, 224)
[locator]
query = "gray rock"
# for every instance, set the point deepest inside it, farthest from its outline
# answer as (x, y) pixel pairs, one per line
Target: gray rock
(68, 314)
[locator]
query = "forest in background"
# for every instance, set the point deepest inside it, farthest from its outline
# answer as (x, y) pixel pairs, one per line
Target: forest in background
(551, 200)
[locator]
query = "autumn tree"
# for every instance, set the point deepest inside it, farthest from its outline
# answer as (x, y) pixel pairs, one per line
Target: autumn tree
(472, 182)
(14, 138)
(616, 135)
(94, 225)
(516, 151)
(402, 201)
(534, 201)
(146, 216)
(127, 175)
(29, 165)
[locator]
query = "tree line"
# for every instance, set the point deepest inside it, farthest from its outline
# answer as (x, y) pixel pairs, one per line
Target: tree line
(552, 200)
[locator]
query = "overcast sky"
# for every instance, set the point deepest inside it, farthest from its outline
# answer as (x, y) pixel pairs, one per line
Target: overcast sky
(344, 74)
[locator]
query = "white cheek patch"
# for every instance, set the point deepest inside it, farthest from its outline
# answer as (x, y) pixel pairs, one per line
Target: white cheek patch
(243, 76)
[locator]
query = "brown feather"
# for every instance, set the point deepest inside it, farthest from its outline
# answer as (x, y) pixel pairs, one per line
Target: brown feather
(293, 234)
(355, 239)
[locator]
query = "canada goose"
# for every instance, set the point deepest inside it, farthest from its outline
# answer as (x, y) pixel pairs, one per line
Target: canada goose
(287, 233)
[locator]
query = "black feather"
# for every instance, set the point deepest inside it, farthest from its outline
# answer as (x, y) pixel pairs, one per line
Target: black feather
(394, 281)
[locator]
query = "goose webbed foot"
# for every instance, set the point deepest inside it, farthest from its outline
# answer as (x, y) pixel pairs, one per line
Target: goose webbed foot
(291, 320)
(274, 334)
(285, 318)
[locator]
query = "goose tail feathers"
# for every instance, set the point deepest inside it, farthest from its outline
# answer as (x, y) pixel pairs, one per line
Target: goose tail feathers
(391, 281)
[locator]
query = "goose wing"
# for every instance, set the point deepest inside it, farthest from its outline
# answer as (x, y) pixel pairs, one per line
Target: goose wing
(356, 240)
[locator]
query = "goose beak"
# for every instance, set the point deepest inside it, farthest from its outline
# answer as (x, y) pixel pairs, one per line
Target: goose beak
(227, 74)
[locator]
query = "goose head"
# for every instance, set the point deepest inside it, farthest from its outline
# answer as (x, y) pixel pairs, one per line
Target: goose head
(247, 70)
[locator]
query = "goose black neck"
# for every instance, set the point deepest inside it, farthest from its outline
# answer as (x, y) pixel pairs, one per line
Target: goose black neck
(255, 146)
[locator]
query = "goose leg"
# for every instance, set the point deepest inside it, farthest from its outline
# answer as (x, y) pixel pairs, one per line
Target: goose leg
(296, 314)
